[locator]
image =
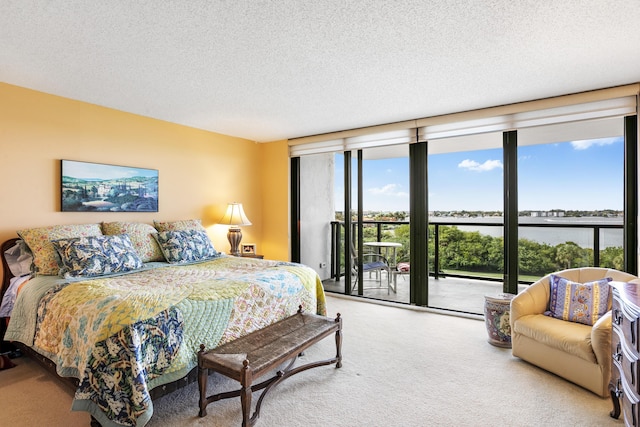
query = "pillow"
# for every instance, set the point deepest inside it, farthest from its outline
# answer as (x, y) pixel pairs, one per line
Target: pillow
(185, 246)
(403, 267)
(19, 259)
(39, 242)
(96, 255)
(141, 236)
(10, 295)
(187, 224)
(579, 302)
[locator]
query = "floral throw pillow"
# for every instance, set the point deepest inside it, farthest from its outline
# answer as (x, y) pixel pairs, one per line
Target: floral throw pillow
(184, 246)
(39, 242)
(185, 224)
(579, 302)
(96, 255)
(141, 236)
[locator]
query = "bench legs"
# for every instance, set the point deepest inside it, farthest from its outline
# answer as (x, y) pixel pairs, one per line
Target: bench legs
(338, 346)
(244, 392)
(245, 395)
(203, 375)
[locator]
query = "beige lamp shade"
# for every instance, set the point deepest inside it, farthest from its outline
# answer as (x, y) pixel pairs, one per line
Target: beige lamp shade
(235, 217)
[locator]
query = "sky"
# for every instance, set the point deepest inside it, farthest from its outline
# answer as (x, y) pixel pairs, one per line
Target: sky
(93, 171)
(577, 175)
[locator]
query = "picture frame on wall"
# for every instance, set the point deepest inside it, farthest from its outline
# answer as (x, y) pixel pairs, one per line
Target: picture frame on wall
(248, 248)
(98, 187)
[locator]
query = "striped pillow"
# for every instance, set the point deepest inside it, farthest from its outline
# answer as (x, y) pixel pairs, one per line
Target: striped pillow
(579, 302)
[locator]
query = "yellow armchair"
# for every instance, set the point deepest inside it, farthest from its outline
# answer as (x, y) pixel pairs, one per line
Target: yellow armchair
(577, 352)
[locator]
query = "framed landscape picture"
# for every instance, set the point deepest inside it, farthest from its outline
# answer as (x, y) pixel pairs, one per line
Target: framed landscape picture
(87, 187)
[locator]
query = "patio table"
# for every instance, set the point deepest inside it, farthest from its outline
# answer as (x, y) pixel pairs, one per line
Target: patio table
(386, 247)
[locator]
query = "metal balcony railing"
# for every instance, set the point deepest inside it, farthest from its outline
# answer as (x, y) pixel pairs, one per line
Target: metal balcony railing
(337, 244)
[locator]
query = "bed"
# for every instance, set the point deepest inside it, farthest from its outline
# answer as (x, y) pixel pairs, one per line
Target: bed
(124, 336)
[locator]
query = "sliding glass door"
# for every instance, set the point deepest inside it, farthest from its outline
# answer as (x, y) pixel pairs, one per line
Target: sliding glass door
(382, 195)
(571, 196)
(465, 192)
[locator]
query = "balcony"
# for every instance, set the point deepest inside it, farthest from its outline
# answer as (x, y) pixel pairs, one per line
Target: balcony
(469, 255)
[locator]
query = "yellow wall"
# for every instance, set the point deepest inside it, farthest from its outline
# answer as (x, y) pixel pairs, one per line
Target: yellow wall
(275, 201)
(199, 171)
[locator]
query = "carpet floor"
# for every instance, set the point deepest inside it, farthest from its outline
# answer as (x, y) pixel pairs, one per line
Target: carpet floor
(401, 367)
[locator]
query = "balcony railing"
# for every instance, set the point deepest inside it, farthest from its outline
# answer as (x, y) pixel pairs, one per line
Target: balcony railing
(435, 248)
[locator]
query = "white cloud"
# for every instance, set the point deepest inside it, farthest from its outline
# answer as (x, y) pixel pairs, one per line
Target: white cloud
(587, 143)
(480, 167)
(388, 190)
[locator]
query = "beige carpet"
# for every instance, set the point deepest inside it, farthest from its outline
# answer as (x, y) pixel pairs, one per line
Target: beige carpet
(401, 368)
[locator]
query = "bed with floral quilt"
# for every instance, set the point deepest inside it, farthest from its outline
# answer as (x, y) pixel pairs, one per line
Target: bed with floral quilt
(124, 323)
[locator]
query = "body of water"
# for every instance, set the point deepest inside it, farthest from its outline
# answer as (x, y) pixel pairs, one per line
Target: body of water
(550, 235)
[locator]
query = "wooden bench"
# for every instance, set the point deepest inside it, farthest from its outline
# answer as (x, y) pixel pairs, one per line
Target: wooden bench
(251, 356)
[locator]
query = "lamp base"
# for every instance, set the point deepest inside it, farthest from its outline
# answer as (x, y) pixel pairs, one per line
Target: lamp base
(235, 237)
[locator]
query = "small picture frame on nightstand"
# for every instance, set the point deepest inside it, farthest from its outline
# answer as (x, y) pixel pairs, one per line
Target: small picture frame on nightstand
(248, 248)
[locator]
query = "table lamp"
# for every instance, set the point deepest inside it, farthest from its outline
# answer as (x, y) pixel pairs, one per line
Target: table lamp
(235, 217)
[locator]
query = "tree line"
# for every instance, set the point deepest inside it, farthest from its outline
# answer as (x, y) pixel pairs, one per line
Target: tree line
(472, 251)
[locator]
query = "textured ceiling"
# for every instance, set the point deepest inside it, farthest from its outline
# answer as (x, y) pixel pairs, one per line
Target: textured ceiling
(267, 70)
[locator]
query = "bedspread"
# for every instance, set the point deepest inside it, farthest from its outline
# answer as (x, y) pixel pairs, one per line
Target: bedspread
(122, 336)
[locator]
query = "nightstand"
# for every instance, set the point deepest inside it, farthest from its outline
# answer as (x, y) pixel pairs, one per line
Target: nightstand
(251, 256)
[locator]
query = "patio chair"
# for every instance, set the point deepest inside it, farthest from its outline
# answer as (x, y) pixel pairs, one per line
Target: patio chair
(371, 263)
(402, 268)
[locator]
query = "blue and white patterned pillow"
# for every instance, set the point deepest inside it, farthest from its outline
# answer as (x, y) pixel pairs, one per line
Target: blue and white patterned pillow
(183, 246)
(578, 302)
(96, 255)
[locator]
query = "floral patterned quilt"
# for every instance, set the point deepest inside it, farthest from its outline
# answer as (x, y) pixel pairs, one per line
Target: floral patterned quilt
(124, 335)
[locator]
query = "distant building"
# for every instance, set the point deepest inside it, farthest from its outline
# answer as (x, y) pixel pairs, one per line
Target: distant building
(547, 213)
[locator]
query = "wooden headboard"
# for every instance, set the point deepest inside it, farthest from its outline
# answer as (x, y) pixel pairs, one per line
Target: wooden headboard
(6, 273)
